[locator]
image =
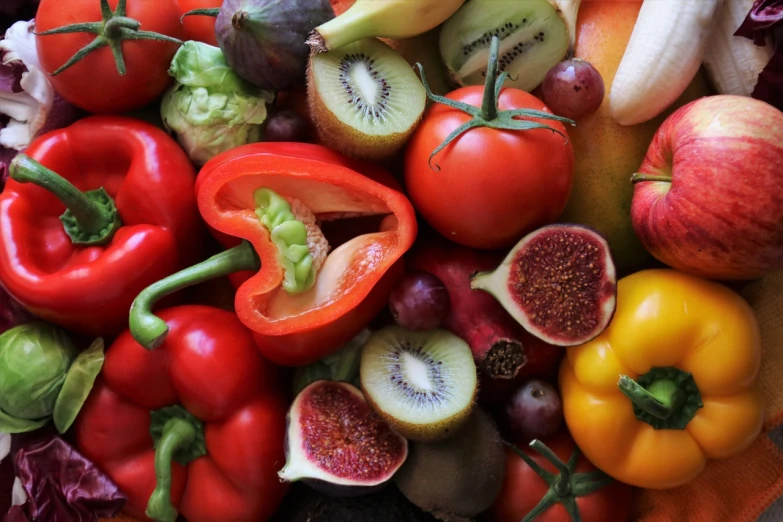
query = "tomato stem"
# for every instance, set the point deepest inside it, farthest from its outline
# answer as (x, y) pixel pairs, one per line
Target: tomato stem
(566, 486)
(114, 29)
(488, 115)
(489, 104)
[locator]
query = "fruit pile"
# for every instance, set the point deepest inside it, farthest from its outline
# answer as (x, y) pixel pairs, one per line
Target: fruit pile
(401, 261)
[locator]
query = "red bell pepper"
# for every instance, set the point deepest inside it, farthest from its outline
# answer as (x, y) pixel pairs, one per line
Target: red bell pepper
(207, 400)
(78, 259)
(294, 327)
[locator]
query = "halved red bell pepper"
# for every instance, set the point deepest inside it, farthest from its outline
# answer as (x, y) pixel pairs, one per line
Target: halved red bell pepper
(206, 399)
(78, 259)
(294, 328)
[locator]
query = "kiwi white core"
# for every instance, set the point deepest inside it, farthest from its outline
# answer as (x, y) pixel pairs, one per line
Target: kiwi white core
(419, 378)
(368, 86)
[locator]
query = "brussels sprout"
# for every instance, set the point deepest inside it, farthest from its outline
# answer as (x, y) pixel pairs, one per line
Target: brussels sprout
(42, 374)
(34, 359)
(210, 108)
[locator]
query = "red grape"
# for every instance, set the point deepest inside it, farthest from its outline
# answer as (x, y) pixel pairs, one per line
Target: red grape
(419, 302)
(534, 411)
(573, 88)
(285, 125)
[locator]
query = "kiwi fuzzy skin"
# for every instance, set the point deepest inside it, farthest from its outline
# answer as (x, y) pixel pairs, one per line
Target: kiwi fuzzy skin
(458, 478)
(343, 138)
(426, 432)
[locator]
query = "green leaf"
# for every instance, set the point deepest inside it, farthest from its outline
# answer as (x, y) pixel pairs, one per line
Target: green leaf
(78, 383)
(9, 424)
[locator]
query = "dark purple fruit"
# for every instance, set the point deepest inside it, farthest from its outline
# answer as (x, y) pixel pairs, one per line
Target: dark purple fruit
(534, 412)
(419, 302)
(337, 444)
(559, 282)
(264, 40)
(286, 125)
(573, 88)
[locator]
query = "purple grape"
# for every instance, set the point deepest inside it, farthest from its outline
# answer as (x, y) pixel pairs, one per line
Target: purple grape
(573, 88)
(419, 302)
(285, 125)
(534, 411)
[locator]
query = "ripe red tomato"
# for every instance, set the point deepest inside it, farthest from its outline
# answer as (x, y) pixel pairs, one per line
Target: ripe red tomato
(523, 489)
(493, 185)
(94, 83)
(200, 28)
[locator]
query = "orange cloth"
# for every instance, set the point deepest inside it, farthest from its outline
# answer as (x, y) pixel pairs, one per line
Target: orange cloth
(741, 488)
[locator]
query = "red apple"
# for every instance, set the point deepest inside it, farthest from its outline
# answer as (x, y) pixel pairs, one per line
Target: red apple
(708, 198)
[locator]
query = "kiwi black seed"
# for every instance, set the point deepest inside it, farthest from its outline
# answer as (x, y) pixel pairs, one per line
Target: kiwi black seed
(365, 99)
(458, 478)
(423, 383)
(533, 35)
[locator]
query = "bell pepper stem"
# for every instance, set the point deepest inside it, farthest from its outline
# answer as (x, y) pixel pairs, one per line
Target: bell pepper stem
(177, 434)
(149, 330)
(92, 214)
(660, 399)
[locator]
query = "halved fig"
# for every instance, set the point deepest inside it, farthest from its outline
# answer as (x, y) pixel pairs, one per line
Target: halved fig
(337, 444)
(559, 282)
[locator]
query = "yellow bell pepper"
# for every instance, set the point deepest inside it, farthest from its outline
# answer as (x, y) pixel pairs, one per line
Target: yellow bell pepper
(669, 384)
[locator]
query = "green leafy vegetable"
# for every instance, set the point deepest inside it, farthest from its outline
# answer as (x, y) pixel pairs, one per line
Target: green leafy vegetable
(209, 107)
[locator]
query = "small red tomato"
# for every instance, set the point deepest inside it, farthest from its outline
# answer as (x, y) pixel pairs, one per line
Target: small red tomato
(573, 489)
(199, 27)
(496, 181)
(145, 32)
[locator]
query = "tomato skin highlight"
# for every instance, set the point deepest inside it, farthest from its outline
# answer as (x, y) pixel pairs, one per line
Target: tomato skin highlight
(523, 489)
(94, 84)
(493, 186)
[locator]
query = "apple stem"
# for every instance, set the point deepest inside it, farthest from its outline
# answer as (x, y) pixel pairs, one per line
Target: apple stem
(638, 178)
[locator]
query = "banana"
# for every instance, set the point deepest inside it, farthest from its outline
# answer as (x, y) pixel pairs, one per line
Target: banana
(734, 63)
(664, 53)
(381, 19)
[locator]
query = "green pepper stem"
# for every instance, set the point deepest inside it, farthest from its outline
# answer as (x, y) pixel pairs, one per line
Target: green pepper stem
(638, 178)
(660, 399)
(149, 330)
(489, 105)
(177, 435)
(562, 483)
(92, 214)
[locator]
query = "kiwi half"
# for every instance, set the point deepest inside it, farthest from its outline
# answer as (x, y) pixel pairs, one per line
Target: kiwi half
(365, 99)
(422, 383)
(534, 36)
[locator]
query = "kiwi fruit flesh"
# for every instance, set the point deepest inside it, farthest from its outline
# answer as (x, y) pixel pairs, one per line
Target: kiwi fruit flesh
(365, 99)
(458, 478)
(422, 383)
(534, 37)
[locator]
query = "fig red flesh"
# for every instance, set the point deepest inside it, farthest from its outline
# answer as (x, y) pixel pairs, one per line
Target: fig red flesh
(335, 441)
(559, 282)
(494, 337)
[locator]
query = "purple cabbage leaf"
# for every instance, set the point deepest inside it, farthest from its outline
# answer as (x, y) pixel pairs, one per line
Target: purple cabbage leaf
(763, 24)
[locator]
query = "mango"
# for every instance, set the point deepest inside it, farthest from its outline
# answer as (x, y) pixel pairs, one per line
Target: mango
(606, 153)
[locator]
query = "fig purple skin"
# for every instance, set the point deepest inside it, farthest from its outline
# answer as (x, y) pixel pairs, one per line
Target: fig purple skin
(419, 302)
(534, 411)
(336, 444)
(264, 40)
